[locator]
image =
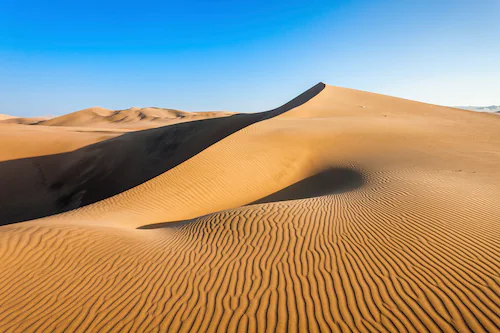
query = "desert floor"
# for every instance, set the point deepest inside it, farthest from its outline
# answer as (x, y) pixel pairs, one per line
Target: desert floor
(342, 210)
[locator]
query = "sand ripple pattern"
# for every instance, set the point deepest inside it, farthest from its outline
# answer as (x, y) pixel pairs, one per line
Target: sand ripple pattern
(363, 261)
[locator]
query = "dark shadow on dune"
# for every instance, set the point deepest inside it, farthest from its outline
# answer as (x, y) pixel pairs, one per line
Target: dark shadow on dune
(40, 186)
(173, 224)
(336, 180)
(332, 181)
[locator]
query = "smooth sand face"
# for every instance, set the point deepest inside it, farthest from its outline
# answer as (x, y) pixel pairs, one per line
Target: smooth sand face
(350, 212)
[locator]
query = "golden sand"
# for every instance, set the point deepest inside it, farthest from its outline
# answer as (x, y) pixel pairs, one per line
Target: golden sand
(340, 211)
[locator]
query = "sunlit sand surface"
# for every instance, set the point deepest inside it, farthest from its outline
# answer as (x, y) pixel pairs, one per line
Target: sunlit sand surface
(342, 211)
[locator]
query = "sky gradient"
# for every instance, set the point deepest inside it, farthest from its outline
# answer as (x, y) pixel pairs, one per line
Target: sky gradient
(57, 57)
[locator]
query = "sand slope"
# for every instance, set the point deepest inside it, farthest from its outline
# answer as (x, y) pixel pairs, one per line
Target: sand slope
(20, 141)
(51, 184)
(342, 211)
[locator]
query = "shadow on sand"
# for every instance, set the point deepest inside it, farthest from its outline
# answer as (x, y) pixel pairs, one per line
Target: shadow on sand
(336, 180)
(40, 186)
(332, 181)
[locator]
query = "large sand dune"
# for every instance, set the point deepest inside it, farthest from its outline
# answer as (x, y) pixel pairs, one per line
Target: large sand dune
(60, 182)
(339, 211)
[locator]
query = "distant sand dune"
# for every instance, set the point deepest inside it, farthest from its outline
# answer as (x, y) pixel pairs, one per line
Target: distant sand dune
(5, 117)
(97, 116)
(133, 118)
(340, 211)
(21, 121)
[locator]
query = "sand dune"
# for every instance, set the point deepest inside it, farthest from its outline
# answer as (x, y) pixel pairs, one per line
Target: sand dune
(5, 117)
(22, 121)
(340, 211)
(61, 182)
(133, 118)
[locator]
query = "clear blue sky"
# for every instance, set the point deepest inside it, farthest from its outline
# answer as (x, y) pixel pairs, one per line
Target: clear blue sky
(61, 56)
